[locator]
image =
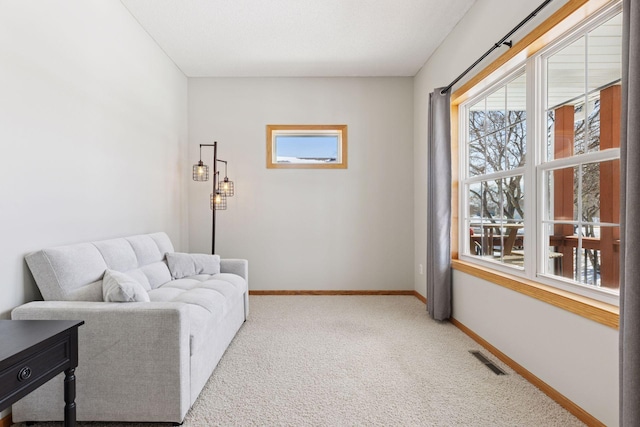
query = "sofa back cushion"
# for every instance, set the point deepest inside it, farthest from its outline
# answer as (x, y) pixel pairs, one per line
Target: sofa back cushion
(75, 272)
(185, 265)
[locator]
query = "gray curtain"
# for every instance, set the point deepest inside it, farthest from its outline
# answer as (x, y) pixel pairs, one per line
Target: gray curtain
(439, 207)
(630, 218)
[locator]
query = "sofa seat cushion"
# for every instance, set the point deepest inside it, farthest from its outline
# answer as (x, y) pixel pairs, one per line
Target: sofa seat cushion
(209, 299)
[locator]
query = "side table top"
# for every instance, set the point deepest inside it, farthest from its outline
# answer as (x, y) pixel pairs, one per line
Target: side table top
(17, 336)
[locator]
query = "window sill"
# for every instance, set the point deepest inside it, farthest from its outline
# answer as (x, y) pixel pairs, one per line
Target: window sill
(603, 313)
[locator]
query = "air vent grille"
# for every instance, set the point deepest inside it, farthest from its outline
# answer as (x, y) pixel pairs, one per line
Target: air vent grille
(488, 363)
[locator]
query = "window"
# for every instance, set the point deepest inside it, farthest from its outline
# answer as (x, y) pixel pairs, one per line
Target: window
(307, 146)
(539, 160)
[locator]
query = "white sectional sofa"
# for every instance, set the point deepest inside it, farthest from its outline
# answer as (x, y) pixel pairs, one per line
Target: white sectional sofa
(138, 361)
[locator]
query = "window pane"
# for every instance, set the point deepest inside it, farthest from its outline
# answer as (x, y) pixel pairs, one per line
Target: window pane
(561, 253)
(491, 203)
(475, 201)
(566, 131)
(517, 100)
(496, 110)
(477, 119)
(597, 258)
(609, 187)
(512, 230)
(562, 194)
(491, 200)
(605, 54)
(475, 218)
(495, 151)
(551, 119)
(590, 176)
(579, 127)
(593, 123)
(566, 74)
(604, 64)
(515, 123)
(565, 101)
(587, 265)
(516, 145)
(513, 198)
(307, 148)
(552, 253)
(609, 267)
(477, 157)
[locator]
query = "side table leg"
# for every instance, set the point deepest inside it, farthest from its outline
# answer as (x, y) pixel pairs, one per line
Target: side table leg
(69, 398)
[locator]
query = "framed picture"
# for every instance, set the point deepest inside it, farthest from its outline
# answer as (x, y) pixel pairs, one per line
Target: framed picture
(306, 146)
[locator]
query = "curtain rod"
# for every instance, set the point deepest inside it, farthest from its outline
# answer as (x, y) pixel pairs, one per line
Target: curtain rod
(503, 41)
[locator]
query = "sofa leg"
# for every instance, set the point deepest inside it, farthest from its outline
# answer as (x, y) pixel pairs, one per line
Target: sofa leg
(244, 301)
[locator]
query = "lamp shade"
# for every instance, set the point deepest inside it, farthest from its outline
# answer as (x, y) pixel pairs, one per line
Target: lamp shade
(200, 172)
(226, 187)
(218, 201)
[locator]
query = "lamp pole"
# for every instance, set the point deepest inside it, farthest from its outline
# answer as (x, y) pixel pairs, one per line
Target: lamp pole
(218, 194)
(213, 211)
(213, 193)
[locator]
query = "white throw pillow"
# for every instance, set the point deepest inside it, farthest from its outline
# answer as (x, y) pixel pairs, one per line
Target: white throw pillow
(120, 287)
(185, 265)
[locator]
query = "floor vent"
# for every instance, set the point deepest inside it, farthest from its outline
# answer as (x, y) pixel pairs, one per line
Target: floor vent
(481, 357)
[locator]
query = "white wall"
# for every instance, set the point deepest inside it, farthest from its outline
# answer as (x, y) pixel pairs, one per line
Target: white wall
(93, 132)
(483, 25)
(309, 229)
(576, 356)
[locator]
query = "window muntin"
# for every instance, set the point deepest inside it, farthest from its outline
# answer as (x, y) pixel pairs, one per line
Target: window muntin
(575, 73)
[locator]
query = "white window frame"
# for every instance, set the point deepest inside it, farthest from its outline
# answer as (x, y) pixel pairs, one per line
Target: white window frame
(465, 180)
(535, 167)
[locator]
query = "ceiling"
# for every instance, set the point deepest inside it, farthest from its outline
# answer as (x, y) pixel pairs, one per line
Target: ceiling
(283, 38)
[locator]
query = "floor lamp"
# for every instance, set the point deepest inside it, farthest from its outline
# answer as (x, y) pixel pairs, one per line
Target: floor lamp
(221, 189)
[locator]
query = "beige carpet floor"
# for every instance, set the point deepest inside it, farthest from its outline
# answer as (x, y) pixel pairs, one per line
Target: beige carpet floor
(360, 361)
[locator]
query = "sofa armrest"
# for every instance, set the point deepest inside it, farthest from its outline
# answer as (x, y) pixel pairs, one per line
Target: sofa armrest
(139, 349)
(241, 268)
(235, 266)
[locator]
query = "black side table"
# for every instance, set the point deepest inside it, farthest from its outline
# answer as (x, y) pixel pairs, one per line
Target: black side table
(34, 351)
